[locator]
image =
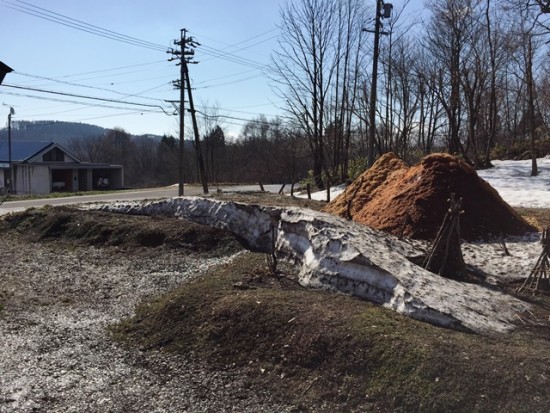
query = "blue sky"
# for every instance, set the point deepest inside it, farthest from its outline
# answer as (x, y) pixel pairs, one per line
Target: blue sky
(237, 38)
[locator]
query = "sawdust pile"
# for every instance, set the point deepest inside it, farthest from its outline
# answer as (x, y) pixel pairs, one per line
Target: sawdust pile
(413, 200)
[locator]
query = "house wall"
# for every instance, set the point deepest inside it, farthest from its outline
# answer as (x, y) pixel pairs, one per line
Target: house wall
(32, 179)
(37, 179)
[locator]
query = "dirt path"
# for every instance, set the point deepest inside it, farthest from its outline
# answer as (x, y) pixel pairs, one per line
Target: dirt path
(56, 352)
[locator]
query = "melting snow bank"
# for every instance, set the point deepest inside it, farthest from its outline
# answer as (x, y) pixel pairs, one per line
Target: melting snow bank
(348, 257)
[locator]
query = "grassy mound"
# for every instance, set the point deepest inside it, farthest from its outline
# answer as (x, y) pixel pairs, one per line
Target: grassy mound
(103, 228)
(329, 352)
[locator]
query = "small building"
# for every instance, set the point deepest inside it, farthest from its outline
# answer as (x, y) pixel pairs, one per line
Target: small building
(45, 167)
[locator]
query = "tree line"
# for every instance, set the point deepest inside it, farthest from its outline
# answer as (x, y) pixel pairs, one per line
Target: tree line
(266, 152)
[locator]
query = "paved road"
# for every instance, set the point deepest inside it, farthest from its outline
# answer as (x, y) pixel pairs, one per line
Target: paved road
(130, 195)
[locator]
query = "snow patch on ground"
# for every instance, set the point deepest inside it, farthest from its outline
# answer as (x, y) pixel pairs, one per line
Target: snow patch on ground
(514, 183)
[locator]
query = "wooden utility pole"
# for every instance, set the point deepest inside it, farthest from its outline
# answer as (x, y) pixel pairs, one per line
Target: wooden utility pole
(383, 10)
(178, 84)
(182, 123)
(10, 185)
(190, 42)
(184, 55)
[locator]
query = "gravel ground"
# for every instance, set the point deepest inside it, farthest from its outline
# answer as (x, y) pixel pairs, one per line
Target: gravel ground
(56, 352)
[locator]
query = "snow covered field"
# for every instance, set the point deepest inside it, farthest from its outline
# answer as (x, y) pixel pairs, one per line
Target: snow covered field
(514, 183)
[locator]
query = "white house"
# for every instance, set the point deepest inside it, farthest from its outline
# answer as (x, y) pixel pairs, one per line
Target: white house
(45, 167)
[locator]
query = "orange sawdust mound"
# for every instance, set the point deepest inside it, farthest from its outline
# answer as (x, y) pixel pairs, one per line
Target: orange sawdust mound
(413, 200)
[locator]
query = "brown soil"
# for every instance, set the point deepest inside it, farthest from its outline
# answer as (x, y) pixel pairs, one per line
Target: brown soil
(413, 201)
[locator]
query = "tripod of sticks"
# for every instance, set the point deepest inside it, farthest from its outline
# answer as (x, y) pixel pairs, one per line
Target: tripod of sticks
(540, 274)
(445, 257)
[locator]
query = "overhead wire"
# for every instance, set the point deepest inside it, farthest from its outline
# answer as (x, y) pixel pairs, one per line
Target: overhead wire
(239, 43)
(231, 58)
(83, 96)
(233, 82)
(236, 111)
(43, 13)
(93, 87)
(266, 122)
(114, 68)
(224, 77)
(67, 21)
(229, 47)
(51, 99)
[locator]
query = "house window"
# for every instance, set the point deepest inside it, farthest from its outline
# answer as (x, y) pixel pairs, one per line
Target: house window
(55, 155)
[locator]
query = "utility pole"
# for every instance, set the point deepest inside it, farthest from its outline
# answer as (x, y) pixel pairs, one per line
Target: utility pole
(178, 84)
(10, 185)
(383, 10)
(185, 53)
(200, 160)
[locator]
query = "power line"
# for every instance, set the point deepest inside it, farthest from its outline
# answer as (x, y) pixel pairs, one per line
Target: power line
(84, 96)
(58, 78)
(114, 69)
(49, 123)
(256, 37)
(232, 58)
(80, 25)
(230, 55)
(79, 103)
(241, 42)
(238, 111)
(233, 82)
(266, 122)
(67, 21)
(226, 76)
(94, 87)
(87, 106)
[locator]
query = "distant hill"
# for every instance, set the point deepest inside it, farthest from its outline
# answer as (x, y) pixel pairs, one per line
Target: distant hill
(55, 131)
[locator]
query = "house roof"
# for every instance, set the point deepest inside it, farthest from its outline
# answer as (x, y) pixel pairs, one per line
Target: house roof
(23, 151)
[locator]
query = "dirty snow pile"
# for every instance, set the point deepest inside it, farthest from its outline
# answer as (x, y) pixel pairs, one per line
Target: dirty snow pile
(334, 253)
(345, 256)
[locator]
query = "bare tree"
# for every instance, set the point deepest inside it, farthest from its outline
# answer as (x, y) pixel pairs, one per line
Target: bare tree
(304, 69)
(449, 35)
(527, 34)
(86, 149)
(349, 58)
